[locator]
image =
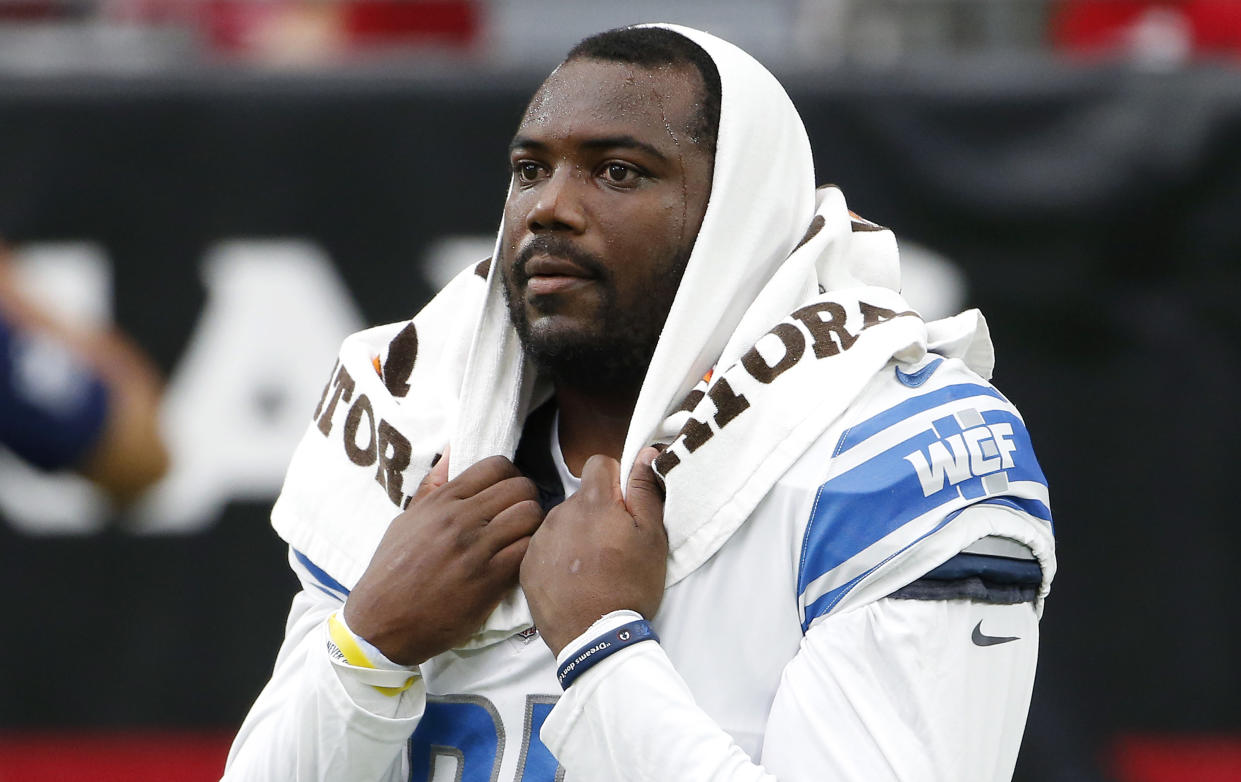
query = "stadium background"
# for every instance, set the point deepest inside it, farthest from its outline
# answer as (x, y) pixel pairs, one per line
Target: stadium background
(237, 220)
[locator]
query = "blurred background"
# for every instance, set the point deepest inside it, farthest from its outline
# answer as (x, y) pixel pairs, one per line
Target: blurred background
(198, 200)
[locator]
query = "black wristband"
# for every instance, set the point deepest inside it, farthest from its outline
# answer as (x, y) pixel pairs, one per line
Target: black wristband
(607, 644)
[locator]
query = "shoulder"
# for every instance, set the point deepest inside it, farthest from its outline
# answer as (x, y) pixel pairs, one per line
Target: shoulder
(920, 445)
(934, 426)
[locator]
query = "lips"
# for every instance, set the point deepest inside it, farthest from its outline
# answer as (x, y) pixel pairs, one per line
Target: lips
(551, 266)
(547, 274)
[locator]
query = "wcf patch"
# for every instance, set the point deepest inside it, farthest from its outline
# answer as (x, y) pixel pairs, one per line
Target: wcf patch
(969, 454)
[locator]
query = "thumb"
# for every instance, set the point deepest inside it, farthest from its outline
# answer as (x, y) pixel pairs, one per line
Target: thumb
(645, 493)
(600, 479)
(434, 479)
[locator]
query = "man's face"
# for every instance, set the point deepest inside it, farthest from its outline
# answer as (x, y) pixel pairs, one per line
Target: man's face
(608, 192)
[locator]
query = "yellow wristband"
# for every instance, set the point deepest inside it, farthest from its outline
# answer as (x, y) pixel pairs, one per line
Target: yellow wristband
(347, 645)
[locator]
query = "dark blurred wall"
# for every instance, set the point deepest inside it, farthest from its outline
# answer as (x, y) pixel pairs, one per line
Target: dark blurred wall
(1096, 215)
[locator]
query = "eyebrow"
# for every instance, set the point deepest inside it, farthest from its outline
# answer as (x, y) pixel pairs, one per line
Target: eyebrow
(622, 141)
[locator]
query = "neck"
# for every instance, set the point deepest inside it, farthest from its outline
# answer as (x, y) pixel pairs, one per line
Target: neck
(593, 423)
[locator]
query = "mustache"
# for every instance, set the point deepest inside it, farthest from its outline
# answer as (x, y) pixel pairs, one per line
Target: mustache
(558, 247)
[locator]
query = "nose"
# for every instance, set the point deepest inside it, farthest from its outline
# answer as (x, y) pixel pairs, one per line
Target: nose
(558, 203)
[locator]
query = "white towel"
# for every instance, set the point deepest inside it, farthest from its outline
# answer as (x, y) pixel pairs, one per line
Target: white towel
(768, 248)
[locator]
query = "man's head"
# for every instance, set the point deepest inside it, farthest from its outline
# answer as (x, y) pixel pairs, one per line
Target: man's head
(612, 168)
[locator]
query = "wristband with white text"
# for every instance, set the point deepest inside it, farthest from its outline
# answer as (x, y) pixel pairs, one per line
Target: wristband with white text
(605, 645)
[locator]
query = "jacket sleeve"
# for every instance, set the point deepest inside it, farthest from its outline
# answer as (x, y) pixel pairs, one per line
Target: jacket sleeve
(314, 721)
(893, 690)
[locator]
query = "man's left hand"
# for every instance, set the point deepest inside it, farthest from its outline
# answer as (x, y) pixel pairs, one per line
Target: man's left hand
(598, 552)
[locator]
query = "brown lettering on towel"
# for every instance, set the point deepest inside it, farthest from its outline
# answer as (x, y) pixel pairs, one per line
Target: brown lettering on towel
(402, 352)
(394, 455)
(344, 390)
(821, 329)
(794, 346)
(363, 457)
(824, 322)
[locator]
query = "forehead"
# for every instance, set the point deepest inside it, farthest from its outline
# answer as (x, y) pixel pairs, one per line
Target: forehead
(588, 97)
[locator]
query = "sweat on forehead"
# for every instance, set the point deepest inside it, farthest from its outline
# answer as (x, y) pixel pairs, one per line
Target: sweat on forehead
(653, 47)
(597, 92)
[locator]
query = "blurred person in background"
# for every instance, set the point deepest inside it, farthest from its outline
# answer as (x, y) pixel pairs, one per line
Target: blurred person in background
(845, 576)
(79, 400)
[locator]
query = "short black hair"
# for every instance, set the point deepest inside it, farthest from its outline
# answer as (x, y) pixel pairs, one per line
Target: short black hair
(652, 47)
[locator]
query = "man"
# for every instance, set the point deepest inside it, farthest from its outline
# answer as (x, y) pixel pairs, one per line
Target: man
(844, 579)
(77, 399)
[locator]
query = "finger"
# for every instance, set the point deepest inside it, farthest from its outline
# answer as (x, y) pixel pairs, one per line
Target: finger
(601, 478)
(491, 501)
(506, 563)
(645, 495)
(434, 479)
(516, 521)
(480, 475)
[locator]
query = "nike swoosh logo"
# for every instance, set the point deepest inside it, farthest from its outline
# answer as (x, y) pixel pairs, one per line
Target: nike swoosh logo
(918, 377)
(990, 640)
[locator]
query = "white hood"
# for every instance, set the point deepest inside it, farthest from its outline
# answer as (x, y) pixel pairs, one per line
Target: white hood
(762, 200)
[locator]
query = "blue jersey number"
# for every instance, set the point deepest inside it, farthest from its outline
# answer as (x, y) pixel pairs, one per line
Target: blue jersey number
(467, 729)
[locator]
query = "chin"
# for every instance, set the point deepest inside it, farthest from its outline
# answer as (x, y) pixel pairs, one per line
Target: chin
(559, 335)
(588, 358)
(562, 326)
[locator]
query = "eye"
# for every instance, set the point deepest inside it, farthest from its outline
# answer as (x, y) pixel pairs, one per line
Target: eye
(620, 173)
(527, 171)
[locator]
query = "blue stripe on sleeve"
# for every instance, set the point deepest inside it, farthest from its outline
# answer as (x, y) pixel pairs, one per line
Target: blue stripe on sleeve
(829, 599)
(865, 504)
(872, 426)
(334, 587)
(824, 602)
(1033, 507)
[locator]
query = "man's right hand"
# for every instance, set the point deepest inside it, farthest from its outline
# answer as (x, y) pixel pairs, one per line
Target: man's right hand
(446, 561)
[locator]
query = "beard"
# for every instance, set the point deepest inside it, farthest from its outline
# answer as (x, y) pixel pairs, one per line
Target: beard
(616, 353)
